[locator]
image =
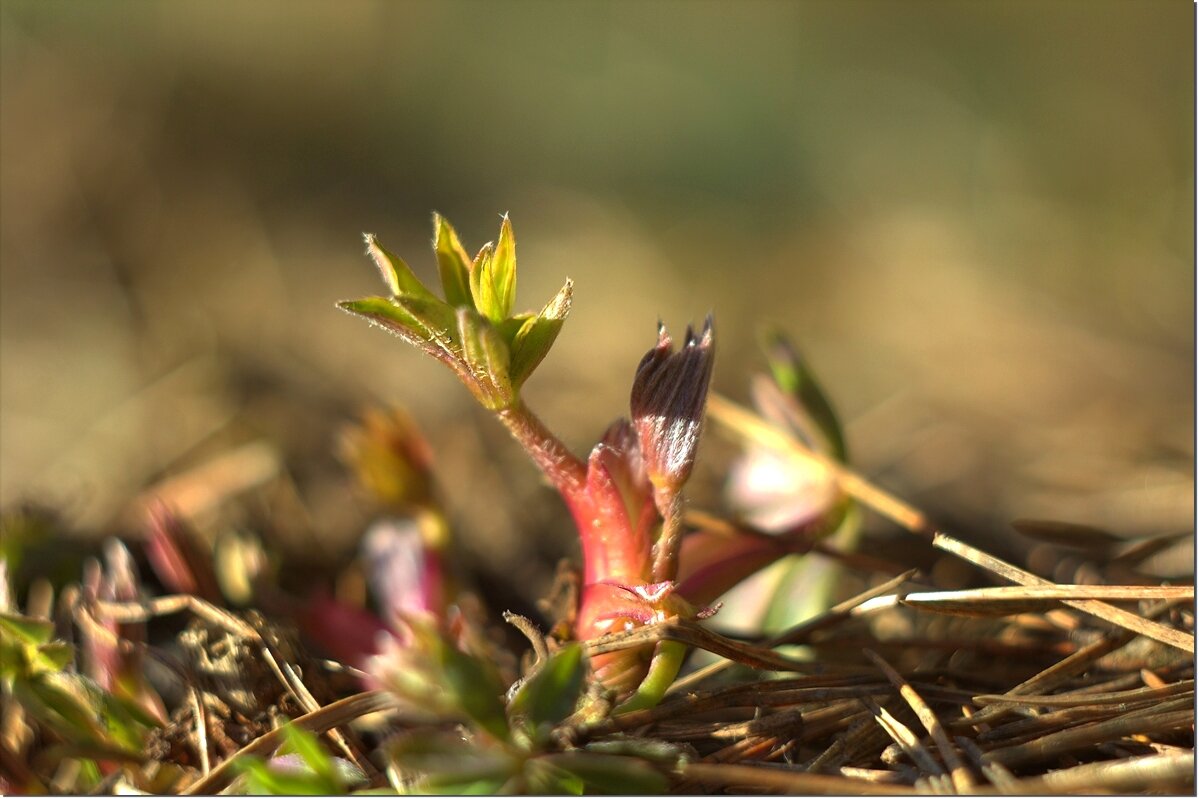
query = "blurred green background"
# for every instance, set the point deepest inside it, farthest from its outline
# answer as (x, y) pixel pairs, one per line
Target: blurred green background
(976, 219)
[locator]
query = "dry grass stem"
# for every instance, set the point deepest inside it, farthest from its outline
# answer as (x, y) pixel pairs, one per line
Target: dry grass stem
(776, 779)
(1075, 739)
(1100, 610)
(201, 730)
(320, 721)
(1010, 600)
(1183, 687)
(957, 770)
(1173, 773)
(904, 738)
(694, 635)
(800, 632)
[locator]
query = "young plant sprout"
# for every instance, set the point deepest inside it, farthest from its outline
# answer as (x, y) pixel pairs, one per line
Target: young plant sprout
(626, 498)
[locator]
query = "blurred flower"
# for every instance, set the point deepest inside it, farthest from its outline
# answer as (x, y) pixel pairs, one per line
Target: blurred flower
(789, 502)
(405, 575)
(405, 664)
(777, 492)
(390, 458)
(403, 556)
(774, 491)
(406, 579)
(348, 633)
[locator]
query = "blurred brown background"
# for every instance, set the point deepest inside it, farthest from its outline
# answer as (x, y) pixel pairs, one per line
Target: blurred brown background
(976, 219)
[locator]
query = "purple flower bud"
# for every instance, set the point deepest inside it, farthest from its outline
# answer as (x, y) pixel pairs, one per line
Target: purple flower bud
(667, 403)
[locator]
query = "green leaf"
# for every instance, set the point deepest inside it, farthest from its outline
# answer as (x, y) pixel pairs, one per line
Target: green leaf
(482, 260)
(794, 377)
(89, 775)
(808, 585)
(440, 752)
(486, 355)
(398, 276)
(609, 774)
(449, 764)
(493, 278)
(512, 325)
(26, 650)
(503, 266)
(304, 743)
(546, 778)
(22, 528)
(130, 705)
(463, 783)
(55, 655)
(64, 704)
(452, 263)
(25, 629)
(427, 324)
(476, 689)
(262, 780)
(535, 337)
(122, 726)
(665, 753)
(550, 695)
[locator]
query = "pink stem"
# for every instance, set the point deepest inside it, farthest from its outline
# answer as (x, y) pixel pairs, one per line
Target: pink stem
(559, 464)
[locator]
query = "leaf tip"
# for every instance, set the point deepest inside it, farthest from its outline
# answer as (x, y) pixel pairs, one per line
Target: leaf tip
(388, 269)
(559, 306)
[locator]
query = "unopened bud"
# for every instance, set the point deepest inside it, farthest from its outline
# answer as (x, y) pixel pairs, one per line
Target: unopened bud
(390, 458)
(667, 403)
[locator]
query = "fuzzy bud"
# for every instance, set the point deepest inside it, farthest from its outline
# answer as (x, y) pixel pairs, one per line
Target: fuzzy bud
(667, 403)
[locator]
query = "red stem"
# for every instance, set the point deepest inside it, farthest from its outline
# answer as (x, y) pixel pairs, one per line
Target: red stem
(559, 464)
